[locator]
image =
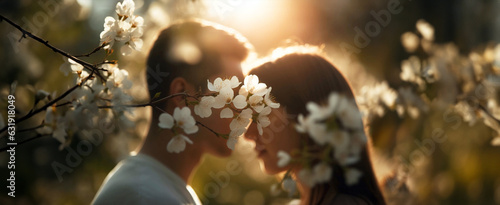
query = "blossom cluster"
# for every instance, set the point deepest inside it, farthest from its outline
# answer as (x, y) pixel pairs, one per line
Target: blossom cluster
(82, 110)
(252, 103)
(458, 79)
(126, 28)
(338, 128)
(437, 77)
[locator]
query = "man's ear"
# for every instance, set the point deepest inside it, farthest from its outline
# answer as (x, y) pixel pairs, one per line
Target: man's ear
(178, 85)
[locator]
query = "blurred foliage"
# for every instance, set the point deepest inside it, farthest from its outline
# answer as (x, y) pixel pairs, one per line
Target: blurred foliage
(462, 170)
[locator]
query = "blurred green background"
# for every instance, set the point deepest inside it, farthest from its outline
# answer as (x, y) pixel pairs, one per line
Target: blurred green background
(462, 170)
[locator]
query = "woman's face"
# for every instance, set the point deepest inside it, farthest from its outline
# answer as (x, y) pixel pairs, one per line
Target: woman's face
(279, 135)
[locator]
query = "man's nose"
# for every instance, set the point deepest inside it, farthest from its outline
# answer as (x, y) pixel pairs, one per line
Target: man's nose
(252, 132)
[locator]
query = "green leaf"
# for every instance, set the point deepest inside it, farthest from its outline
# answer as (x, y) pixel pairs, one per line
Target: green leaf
(157, 95)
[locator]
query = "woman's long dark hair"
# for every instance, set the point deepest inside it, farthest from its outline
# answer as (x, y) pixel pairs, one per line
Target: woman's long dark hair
(299, 78)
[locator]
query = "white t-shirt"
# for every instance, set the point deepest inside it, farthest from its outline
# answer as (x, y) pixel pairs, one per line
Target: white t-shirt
(141, 179)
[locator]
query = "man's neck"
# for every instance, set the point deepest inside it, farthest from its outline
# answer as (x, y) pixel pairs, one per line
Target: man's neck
(183, 163)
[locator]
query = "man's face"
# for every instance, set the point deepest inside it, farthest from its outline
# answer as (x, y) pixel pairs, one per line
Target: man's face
(210, 142)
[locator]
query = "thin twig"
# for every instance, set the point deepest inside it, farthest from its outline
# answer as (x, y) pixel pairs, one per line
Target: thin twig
(92, 52)
(31, 129)
(211, 130)
(87, 65)
(488, 113)
(30, 114)
(22, 142)
(149, 103)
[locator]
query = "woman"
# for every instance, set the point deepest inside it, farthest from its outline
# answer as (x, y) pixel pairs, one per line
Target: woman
(296, 79)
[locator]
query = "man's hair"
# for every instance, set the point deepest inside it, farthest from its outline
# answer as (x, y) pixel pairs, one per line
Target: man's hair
(194, 50)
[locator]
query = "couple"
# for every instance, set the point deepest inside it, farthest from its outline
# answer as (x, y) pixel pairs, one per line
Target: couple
(155, 176)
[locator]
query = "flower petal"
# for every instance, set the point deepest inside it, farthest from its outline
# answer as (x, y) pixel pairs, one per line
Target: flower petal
(166, 121)
(176, 144)
(191, 129)
(352, 176)
(226, 113)
(259, 128)
(240, 102)
(220, 102)
(235, 82)
(211, 86)
(284, 158)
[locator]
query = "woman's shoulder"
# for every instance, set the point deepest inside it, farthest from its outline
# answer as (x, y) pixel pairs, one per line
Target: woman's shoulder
(350, 199)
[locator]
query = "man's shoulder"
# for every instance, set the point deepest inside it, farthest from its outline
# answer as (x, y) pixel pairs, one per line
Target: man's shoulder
(131, 182)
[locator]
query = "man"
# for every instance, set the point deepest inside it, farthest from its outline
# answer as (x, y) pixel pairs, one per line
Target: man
(183, 57)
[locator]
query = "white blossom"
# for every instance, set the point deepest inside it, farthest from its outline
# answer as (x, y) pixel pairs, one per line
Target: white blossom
(337, 124)
(240, 101)
(166, 121)
(290, 186)
(283, 158)
(409, 102)
(224, 89)
(185, 120)
(411, 71)
(495, 141)
(178, 143)
(467, 112)
(352, 176)
(135, 42)
(425, 29)
(318, 112)
(54, 125)
(322, 172)
(242, 120)
(307, 177)
(118, 78)
(340, 140)
(349, 114)
(224, 98)
(234, 136)
(268, 101)
(204, 107)
(252, 86)
(137, 21)
(226, 113)
(410, 41)
(256, 102)
(125, 9)
(275, 190)
(301, 126)
(263, 119)
(374, 100)
(318, 131)
(182, 118)
(127, 29)
(70, 66)
(219, 84)
(60, 131)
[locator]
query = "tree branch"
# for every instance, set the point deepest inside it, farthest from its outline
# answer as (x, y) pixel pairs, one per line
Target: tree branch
(151, 102)
(22, 142)
(87, 65)
(488, 113)
(92, 52)
(30, 114)
(211, 130)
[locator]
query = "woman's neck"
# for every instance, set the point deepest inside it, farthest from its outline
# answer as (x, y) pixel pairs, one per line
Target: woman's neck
(304, 190)
(305, 193)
